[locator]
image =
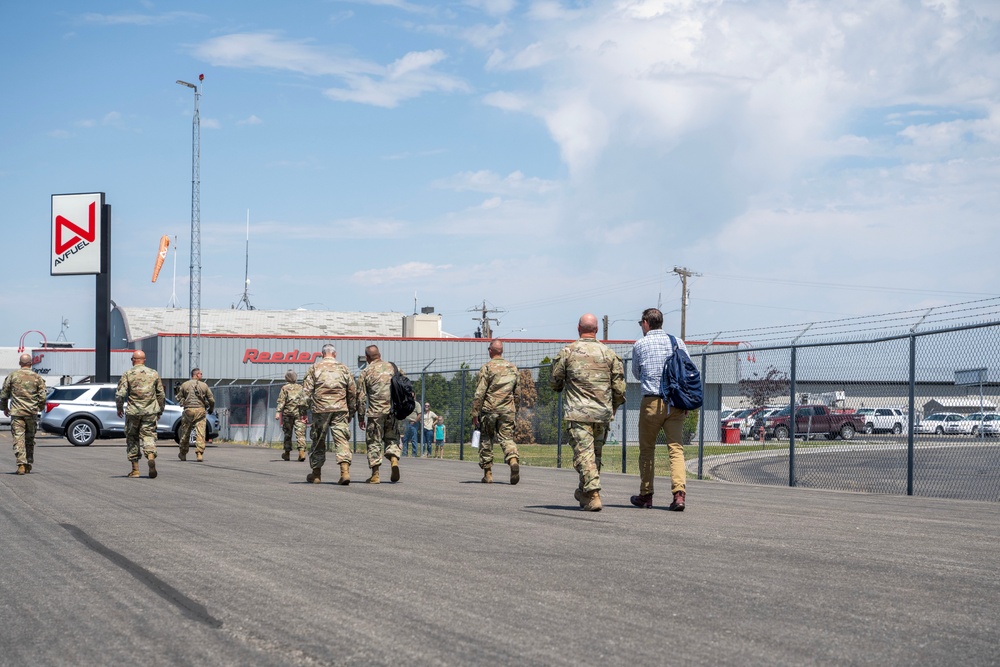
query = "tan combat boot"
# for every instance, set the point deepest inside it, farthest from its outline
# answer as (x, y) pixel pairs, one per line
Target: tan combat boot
(374, 478)
(182, 455)
(20, 469)
(302, 455)
(286, 456)
(314, 476)
(578, 494)
(135, 469)
(199, 457)
(345, 473)
(394, 473)
(515, 472)
(152, 465)
(487, 475)
(592, 500)
(27, 467)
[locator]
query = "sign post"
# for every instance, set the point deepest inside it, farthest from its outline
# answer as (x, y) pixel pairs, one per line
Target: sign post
(81, 245)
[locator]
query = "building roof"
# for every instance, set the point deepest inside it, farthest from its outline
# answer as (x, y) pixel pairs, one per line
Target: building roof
(962, 402)
(145, 322)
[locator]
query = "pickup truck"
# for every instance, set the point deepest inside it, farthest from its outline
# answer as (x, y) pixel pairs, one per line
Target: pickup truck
(814, 420)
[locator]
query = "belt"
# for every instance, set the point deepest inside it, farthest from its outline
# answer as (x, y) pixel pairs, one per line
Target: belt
(651, 396)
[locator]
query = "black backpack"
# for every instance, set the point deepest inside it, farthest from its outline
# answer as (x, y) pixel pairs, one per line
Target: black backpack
(680, 385)
(401, 394)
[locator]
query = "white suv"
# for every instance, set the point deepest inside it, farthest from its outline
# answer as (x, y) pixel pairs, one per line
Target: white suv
(882, 420)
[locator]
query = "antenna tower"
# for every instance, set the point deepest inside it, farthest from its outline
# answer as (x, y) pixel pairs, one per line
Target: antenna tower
(194, 302)
(62, 330)
(245, 301)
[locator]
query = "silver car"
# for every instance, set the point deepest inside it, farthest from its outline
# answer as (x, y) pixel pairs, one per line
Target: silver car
(86, 412)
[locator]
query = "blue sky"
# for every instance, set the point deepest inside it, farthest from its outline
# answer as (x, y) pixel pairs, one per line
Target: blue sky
(811, 160)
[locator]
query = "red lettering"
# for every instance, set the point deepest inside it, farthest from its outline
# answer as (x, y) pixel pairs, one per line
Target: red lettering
(263, 357)
(250, 355)
(303, 358)
(277, 356)
(37, 359)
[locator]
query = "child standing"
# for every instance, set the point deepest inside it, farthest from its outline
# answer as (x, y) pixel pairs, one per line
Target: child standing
(439, 438)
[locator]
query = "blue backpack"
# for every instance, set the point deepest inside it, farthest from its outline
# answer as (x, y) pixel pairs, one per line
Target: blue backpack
(680, 385)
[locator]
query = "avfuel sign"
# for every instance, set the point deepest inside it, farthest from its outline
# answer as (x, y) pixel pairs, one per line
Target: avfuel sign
(77, 234)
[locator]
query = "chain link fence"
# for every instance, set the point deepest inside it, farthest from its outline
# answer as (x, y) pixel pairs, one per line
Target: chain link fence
(910, 414)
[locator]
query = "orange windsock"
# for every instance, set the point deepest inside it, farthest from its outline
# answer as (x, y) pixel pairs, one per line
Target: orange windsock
(164, 244)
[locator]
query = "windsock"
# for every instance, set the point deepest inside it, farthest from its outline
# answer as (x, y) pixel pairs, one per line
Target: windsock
(164, 244)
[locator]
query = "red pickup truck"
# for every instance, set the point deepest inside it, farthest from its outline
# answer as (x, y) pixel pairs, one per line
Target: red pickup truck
(813, 420)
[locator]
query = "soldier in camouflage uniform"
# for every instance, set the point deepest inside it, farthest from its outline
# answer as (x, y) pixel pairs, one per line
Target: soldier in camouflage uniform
(21, 399)
(375, 403)
(494, 407)
(291, 412)
(197, 400)
(594, 380)
(141, 387)
(329, 391)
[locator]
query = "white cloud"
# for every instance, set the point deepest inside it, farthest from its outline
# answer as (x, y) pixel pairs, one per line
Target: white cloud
(406, 78)
(60, 134)
(514, 184)
(142, 19)
(492, 7)
(250, 120)
(396, 274)
(210, 123)
(411, 7)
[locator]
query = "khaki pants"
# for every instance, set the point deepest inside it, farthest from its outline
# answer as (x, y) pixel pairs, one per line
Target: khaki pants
(655, 414)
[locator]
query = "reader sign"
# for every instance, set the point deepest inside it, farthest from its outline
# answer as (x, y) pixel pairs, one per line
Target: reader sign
(76, 234)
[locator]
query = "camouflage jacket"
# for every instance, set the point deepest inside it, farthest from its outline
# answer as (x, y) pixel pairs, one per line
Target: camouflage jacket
(329, 387)
(23, 393)
(594, 379)
(373, 389)
(290, 400)
(496, 391)
(141, 387)
(195, 394)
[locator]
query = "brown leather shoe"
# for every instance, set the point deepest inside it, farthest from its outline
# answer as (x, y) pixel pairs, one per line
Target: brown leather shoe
(644, 500)
(678, 504)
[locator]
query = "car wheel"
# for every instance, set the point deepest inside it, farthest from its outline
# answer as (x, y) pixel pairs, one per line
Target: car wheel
(869, 428)
(939, 430)
(847, 431)
(781, 433)
(897, 429)
(975, 431)
(81, 432)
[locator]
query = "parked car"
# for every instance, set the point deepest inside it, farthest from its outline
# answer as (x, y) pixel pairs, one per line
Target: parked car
(990, 425)
(751, 425)
(86, 412)
(971, 424)
(941, 423)
(813, 420)
(882, 420)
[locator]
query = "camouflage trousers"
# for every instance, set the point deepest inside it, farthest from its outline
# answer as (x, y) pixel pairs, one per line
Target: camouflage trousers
(193, 419)
(23, 430)
(587, 439)
(292, 424)
(140, 436)
(336, 424)
(382, 432)
(496, 429)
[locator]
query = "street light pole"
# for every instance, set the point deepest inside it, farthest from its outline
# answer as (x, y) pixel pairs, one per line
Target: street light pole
(194, 300)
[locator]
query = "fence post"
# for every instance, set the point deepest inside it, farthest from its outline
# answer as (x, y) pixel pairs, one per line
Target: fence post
(625, 414)
(461, 430)
(423, 394)
(701, 422)
(559, 433)
(909, 436)
(791, 424)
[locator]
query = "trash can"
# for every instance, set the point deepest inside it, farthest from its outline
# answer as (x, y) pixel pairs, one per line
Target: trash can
(731, 435)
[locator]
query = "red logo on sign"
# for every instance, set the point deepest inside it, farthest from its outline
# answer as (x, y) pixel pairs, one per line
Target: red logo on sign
(80, 234)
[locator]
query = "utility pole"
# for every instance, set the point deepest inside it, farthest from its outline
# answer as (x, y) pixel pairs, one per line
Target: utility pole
(605, 327)
(484, 319)
(685, 295)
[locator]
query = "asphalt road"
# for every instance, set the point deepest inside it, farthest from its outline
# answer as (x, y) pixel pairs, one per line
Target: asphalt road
(238, 561)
